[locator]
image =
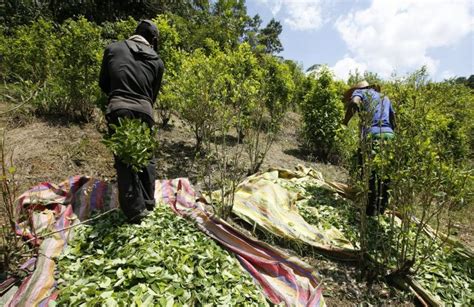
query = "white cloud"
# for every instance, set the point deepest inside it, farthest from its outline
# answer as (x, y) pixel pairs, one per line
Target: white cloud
(298, 14)
(347, 65)
(304, 14)
(395, 35)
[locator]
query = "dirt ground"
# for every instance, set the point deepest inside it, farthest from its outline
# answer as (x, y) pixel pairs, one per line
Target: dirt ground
(44, 151)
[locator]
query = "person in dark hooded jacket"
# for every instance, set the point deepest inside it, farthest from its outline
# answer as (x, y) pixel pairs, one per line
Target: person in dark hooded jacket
(131, 75)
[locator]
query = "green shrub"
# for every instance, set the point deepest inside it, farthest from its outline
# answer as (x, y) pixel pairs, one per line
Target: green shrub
(268, 101)
(80, 50)
(119, 30)
(447, 110)
(425, 164)
(172, 58)
(322, 115)
(29, 53)
(277, 88)
(62, 63)
(197, 93)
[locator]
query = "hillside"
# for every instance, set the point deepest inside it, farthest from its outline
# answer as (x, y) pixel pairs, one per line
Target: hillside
(43, 151)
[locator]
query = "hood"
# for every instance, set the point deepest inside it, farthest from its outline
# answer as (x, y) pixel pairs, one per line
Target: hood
(140, 47)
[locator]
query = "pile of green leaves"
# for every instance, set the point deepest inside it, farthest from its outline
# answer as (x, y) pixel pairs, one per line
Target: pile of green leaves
(133, 142)
(163, 261)
(440, 268)
(449, 275)
(445, 273)
(326, 209)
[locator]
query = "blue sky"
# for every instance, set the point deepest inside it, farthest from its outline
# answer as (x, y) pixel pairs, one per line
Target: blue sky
(382, 36)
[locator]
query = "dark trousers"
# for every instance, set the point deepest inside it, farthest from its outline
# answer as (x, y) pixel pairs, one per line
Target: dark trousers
(378, 195)
(136, 190)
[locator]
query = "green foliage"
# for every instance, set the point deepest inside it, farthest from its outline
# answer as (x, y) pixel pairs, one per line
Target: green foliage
(271, 101)
(355, 77)
(62, 62)
(441, 112)
(240, 86)
(268, 37)
(62, 59)
(165, 260)
(119, 30)
(197, 94)
(322, 114)
(221, 21)
(28, 54)
(327, 209)
(441, 268)
(218, 86)
(432, 148)
(26, 11)
(234, 89)
(18, 12)
(172, 58)
(79, 55)
(429, 181)
(277, 88)
(300, 83)
(3, 52)
(133, 142)
(449, 275)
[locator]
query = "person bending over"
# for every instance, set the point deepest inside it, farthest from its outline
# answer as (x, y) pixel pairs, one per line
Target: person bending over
(131, 75)
(380, 126)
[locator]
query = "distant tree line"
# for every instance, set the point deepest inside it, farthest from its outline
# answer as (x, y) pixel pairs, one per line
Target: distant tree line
(224, 21)
(466, 81)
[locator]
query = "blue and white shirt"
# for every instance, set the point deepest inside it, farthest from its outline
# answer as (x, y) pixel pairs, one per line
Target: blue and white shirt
(380, 107)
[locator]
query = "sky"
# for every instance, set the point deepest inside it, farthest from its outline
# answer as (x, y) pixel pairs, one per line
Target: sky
(382, 36)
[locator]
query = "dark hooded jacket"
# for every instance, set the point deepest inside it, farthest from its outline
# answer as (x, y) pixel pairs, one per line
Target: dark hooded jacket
(131, 75)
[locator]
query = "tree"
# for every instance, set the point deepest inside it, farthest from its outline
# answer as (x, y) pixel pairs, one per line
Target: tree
(271, 101)
(24, 11)
(322, 113)
(268, 37)
(470, 81)
(223, 21)
(251, 31)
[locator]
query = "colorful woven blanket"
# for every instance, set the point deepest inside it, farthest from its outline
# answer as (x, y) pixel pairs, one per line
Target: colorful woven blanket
(55, 208)
(284, 279)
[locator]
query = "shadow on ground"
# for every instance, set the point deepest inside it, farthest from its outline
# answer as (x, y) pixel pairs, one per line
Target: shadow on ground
(300, 154)
(176, 159)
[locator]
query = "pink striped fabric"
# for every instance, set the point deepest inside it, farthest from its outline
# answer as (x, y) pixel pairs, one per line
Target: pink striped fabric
(52, 208)
(284, 279)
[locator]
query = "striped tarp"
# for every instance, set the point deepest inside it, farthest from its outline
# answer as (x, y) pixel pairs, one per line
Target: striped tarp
(284, 279)
(52, 208)
(269, 200)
